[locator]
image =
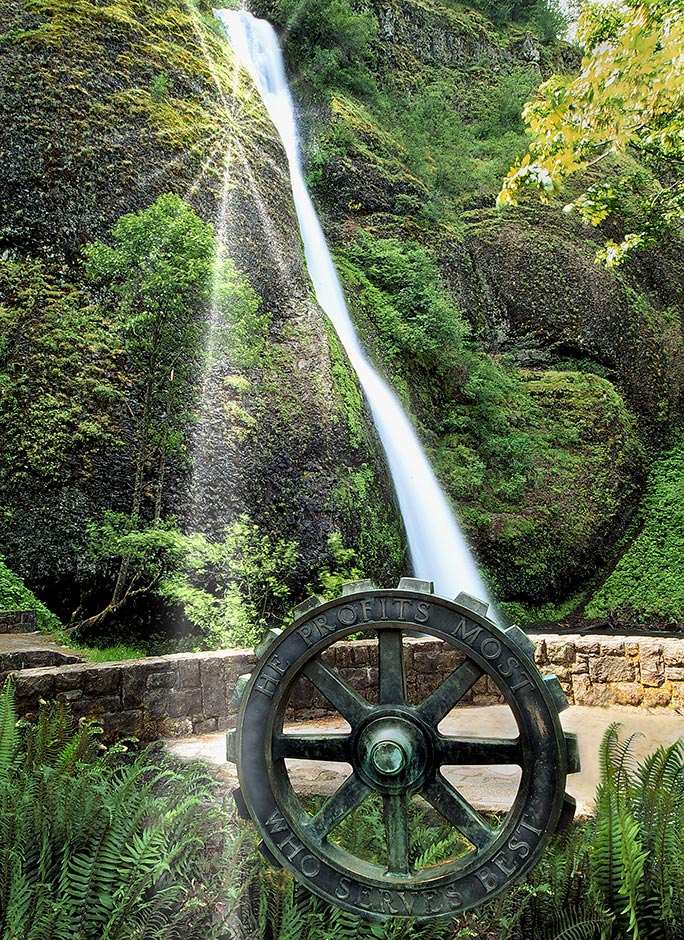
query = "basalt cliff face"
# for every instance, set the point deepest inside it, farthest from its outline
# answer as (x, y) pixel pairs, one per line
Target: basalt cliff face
(542, 384)
(104, 108)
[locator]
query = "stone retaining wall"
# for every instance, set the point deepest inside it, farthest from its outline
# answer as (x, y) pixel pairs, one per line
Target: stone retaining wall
(614, 670)
(190, 693)
(17, 621)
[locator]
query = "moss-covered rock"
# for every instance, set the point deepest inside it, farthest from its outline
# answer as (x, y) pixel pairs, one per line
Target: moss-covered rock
(533, 283)
(103, 108)
(543, 425)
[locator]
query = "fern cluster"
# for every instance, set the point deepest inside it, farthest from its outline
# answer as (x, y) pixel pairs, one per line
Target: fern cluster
(637, 838)
(621, 875)
(105, 844)
(100, 844)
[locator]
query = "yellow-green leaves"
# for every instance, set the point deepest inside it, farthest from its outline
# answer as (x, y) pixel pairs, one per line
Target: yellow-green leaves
(629, 93)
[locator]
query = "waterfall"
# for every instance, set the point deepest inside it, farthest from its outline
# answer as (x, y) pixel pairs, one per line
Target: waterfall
(438, 550)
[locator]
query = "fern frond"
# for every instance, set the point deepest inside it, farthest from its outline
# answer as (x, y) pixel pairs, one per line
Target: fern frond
(9, 736)
(577, 926)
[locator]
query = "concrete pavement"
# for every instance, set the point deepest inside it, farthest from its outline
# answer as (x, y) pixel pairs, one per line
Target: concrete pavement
(487, 788)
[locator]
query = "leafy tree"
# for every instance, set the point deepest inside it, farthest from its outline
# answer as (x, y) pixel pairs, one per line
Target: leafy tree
(230, 589)
(157, 281)
(544, 17)
(235, 587)
(629, 94)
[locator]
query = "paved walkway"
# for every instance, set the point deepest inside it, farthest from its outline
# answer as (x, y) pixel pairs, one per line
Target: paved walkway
(488, 788)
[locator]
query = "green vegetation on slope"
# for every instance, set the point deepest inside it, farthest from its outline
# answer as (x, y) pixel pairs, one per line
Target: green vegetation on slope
(646, 586)
(14, 595)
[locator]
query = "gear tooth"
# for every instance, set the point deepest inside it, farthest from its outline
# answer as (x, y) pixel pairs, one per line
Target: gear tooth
(522, 640)
(269, 856)
(355, 587)
(240, 804)
(416, 584)
(270, 637)
(311, 603)
(240, 686)
(567, 813)
(231, 746)
(572, 751)
(472, 603)
(554, 688)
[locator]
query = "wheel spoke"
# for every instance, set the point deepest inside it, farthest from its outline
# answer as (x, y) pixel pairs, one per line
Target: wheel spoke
(458, 811)
(447, 695)
(333, 747)
(392, 678)
(395, 815)
(479, 751)
(348, 702)
(343, 801)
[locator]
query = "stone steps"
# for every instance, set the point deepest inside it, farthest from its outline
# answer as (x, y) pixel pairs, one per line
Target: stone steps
(23, 647)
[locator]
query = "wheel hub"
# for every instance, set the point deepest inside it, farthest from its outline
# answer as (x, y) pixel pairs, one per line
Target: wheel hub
(392, 754)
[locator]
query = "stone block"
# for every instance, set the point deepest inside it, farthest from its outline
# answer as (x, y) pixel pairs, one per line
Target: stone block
(344, 655)
(122, 724)
(564, 673)
(18, 621)
(673, 652)
(674, 673)
(652, 664)
(678, 697)
(584, 693)
(168, 679)
(658, 697)
(176, 705)
(204, 725)
(214, 688)
(612, 646)
(588, 646)
(156, 702)
(540, 656)
(98, 705)
(35, 683)
(631, 647)
(175, 727)
(68, 678)
(133, 685)
(627, 693)
(560, 651)
(189, 674)
(193, 701)
(611, 669)
(581, 666)
(101, 679)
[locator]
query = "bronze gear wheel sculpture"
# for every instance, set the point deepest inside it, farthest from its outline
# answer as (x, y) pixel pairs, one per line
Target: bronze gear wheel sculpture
(397, 753)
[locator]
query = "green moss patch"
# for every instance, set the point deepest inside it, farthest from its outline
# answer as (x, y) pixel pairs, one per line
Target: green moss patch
(647, 583)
